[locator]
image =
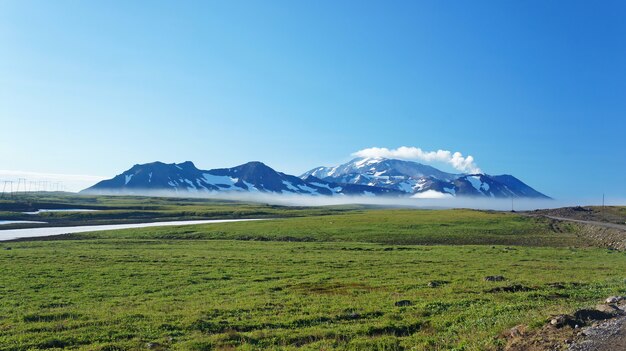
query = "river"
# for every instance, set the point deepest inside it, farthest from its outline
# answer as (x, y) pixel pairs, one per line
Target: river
(10, 234)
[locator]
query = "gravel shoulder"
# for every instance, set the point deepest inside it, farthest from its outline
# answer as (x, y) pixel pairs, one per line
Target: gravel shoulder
(607, 335)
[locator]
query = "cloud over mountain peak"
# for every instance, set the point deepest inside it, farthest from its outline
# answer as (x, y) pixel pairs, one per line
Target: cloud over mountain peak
(455, 159)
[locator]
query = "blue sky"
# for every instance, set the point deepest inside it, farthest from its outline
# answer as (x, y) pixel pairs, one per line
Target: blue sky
(536, 89)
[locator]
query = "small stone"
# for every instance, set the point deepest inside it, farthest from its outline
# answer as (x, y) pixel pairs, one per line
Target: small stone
(561, 321)
(517, 331)
(613, 299)
(556, 321)
(436, 283)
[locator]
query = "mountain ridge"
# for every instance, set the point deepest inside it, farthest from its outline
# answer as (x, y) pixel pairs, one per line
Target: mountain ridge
(416, 178)
(360, 176)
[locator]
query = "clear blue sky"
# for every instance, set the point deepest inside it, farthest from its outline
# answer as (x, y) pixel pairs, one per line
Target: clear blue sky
(536, 89)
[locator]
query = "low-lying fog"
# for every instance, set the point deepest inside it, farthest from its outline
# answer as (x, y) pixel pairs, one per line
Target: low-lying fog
(517, 204)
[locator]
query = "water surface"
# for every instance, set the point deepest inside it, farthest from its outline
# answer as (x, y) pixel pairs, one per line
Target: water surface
(60, 210)
(10, 234)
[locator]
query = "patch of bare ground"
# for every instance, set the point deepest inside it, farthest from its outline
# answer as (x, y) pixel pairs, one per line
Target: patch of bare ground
(595, 329)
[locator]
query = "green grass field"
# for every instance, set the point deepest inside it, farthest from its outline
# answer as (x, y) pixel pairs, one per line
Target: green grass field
(410, 227)
(310, 282)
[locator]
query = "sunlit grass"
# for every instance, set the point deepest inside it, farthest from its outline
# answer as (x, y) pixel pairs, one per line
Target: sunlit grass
(425, 227)
(198, 295)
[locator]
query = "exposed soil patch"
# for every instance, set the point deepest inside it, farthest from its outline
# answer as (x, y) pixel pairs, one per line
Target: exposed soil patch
(510, 289)
(602, 328)
(590, 315)
(437, 283)
(544, 339)
(494, 278)
(403, 303)
(332, 288)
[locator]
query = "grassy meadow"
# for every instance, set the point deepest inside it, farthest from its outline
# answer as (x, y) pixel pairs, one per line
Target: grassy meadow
(384, 226)
(358, 279)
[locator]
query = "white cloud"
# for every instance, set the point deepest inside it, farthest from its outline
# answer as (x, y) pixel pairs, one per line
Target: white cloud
(455, 159)
(36, 181)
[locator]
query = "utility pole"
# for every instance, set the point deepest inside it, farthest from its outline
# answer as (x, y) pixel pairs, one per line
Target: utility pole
(21, 181)
(603, 211)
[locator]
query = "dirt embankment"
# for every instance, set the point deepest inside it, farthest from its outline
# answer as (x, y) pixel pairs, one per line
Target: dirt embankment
(611, 238)
(595, 329)
(597, 226)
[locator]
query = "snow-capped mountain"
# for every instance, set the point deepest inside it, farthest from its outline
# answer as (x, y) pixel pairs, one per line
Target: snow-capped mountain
(250, 177)
(363, 176)
(404, 176)
(418, 180)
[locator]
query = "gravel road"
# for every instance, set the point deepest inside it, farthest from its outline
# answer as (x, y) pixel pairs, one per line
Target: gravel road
(600, 224)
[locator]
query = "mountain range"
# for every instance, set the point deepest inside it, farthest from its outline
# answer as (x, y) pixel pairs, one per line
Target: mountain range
(361, 176)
